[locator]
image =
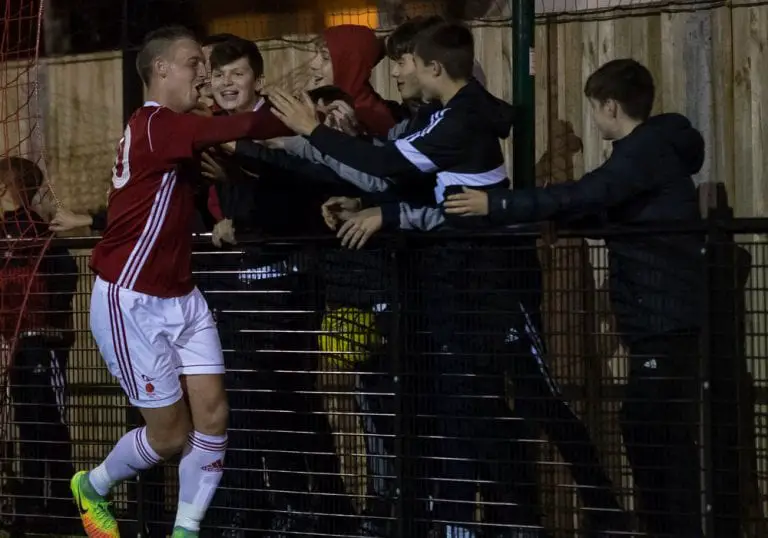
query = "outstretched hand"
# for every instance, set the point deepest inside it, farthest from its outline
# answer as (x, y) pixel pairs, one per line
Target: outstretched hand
(470, 203)
(298, 115)
(339, 209)
(359, 228)
(65, 220)
(211, 168)
(223, 232)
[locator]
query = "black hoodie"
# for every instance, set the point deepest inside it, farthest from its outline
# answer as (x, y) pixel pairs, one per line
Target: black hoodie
(460, 144)
(656, 280)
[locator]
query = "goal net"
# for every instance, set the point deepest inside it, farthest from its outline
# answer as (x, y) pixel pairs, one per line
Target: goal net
(24, 236)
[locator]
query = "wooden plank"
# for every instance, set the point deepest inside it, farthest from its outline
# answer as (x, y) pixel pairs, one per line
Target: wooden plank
(576, 6)
(722, 146)
(83, 124)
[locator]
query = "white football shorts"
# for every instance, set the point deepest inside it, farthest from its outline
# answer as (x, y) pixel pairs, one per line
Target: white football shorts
(148, 342)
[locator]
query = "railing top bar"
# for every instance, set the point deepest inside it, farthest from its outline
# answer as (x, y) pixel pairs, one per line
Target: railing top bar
(732, 226)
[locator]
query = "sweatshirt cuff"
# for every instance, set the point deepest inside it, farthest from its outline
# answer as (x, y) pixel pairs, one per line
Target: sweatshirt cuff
(296, 145)
(499, 205)
(324, 136)
(243, 146)
(99, 220)
(390, 216)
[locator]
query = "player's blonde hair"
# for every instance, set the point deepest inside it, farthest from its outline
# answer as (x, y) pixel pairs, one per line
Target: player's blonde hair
(156, 44)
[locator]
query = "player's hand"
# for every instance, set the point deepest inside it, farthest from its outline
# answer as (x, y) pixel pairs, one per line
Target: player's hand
(339, 209)
(359, 228)
(211, 168)
(298, 115)
(223, 232)
(343, 117)
(65, 220)
(202, 108)
(470, 203)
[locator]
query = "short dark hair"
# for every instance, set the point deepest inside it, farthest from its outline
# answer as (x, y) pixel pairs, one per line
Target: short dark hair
(232, 50)
(155, 44)
(27, 176)
(626, 81)
(215, 39)
(450, 44)
(329, 94)
(403, 40)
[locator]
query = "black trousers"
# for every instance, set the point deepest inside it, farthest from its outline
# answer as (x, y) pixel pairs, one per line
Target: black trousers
(480, 436)
(37, 377)
(281, 463)
(537, 398)
(482, 314)
(659, 420)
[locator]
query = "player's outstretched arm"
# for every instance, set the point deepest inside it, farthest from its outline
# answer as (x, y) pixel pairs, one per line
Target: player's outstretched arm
(182, 135)
(407, 216)
(261, 125)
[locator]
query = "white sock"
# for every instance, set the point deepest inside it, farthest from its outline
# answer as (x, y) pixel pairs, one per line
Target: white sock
(130, 455)
(200, 470)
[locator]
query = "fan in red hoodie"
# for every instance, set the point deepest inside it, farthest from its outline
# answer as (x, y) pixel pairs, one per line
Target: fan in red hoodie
(346, 56)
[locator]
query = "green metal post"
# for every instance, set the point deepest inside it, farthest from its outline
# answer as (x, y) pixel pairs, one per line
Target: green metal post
(524, 146)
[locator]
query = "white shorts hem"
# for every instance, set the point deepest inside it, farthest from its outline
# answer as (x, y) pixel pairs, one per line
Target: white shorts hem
(212, 369)
(150, 403)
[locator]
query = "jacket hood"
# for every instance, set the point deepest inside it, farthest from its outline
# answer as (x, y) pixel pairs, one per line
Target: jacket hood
(355, 51)
(686, 141)
(491, 111)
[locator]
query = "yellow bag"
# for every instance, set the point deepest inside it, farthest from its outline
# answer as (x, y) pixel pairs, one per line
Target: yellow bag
(348, 334)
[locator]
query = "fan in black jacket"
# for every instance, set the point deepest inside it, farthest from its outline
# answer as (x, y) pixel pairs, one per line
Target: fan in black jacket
(273, 195)
(354, 282)
(656, 279)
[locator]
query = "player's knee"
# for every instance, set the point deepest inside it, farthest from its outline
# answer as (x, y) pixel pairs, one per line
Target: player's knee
(170, 440)
(168, 428)
(213, 418)
(208, 403)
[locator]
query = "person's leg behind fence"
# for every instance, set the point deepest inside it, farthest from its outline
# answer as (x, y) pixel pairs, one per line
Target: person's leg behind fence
(538, 398)
(347, 336)
(33, 404)
(659, 419)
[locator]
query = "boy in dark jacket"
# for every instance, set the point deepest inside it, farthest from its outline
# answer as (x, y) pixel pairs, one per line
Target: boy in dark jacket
(656, 280)
(263, 299)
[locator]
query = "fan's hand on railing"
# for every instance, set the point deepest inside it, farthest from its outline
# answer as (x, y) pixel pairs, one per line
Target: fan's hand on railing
(65, 220)
(359, 228)
(223, 232)
(339, 209)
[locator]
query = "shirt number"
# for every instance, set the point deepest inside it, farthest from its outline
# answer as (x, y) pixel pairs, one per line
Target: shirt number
(121, 171)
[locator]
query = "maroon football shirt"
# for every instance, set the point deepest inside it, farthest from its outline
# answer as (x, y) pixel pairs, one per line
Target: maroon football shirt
(147, 244)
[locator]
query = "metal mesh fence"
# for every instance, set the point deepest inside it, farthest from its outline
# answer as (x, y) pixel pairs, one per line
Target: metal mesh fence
(444, 385)
(433, 387)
